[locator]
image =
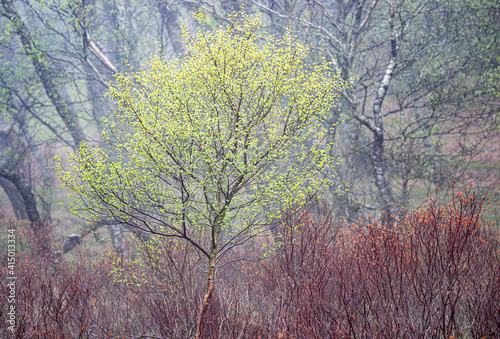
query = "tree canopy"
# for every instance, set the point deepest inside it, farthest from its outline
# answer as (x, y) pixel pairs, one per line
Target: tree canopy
(209, 139)
(209, 147)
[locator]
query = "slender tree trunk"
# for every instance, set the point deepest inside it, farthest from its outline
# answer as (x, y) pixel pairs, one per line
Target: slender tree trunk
(209, 289)
(429, 150)
(378, 130)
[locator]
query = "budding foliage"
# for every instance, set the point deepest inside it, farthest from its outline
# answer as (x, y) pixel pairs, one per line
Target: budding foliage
(225, 137)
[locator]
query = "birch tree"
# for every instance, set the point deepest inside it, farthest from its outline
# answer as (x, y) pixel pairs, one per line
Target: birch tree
(422, 85)
(210, 148)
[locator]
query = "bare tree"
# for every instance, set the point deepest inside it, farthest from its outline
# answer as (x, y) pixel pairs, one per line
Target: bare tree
(407, 62)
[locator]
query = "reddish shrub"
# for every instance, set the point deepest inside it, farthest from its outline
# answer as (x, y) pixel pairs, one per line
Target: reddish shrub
(434, 273)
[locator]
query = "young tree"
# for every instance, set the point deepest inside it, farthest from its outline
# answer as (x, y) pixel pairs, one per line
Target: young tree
(210, 148)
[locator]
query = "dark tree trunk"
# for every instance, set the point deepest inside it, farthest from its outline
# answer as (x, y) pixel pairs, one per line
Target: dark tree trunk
(39, 60)
(15, 199)
(170, 18)
(31, 210)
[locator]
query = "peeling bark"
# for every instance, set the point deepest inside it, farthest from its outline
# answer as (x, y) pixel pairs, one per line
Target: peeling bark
(378, 125)
(209, 291)
(212, 261)
(100, 55)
